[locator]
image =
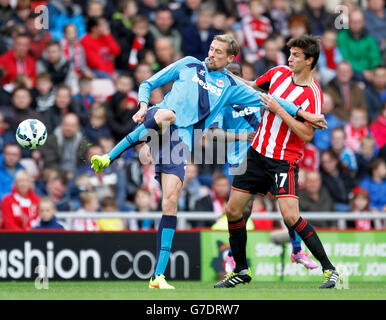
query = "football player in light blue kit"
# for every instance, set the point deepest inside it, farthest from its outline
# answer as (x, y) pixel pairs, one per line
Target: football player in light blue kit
(199, 92)
(237, 126)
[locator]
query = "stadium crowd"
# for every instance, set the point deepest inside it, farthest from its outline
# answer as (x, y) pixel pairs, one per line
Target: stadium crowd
(79, 72)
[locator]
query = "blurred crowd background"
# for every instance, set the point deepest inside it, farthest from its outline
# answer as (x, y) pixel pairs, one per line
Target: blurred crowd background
(77, 66)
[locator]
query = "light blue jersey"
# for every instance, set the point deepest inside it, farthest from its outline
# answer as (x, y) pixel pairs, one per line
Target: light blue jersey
(237, 119)
(198, 95)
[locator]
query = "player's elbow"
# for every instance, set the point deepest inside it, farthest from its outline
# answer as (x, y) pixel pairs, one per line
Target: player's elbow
(307, 137)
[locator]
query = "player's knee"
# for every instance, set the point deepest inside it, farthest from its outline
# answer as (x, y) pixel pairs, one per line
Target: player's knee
(169, 202)
(232, 212)
(290, 218)
(167, 116)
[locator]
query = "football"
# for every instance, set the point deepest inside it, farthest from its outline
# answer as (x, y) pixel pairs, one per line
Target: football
(31, 134)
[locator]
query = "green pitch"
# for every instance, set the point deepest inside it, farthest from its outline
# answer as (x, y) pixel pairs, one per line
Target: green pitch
(189, 290)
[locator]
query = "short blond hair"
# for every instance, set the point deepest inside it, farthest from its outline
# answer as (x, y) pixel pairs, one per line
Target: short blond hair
(87, 197)
(47, 199)
(233, 46)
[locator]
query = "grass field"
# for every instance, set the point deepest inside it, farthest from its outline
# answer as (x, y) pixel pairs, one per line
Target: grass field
(189, 290)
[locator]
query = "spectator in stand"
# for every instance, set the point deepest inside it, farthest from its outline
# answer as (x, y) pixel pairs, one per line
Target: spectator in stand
(100, 48)
(310, 159)
(142, 201)
(197, 37)
(89, 204)
(258, 206)
(140, 170)
(256, 29)
(361, 203)
(163, 27)
(63, 12)
(216, 200)
(141, 73)
(364, 156)
(56, 64)
(121, 107)
(346, 93)
(74, 52)
(279, 13)
(108, 204)
(54, 185)
(97, 127)
(165, 56)
(164, 52)
(47, 210)
(346, 155)
(336, 180)
(185, 13)
(192, 190)
(318, 18)
(21, 103)
(43, 93)
(94, 9)
(297, 26)
(140, 38)
(20, 15)
(248, 71)
(356, 129)
(111, 183)
(84, 98)
(375, 184)
(9, 166)
(122, 19)
(329, 57)
(148, 57)
(149, 9)
(40, 37)
(378, 128)
(322, 138)
(7, 134)
(358, 47)
(313, 197)
(268, 61)
(119, 115)
(66, 147)
(375, 92)
(17, 61)
(6, 12)
(220, 22)
(20, 207)
(375, 21)
(63, 105)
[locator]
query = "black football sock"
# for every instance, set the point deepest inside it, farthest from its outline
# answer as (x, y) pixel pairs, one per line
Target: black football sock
(312, 241)
(238, 241)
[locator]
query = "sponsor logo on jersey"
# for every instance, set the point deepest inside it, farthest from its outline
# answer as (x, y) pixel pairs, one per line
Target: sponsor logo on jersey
(207, 86)
(245, 112)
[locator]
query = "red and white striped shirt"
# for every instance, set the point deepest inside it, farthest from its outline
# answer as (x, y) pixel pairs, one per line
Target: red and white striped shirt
(273, 138)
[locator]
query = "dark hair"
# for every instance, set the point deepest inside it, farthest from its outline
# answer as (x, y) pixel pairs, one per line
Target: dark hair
(297, 19)
(20, 88)
(141, 190)
(374, 164)
(53, 43)
(92, 22)
(108, 201)
(236, 68)
(310, 46)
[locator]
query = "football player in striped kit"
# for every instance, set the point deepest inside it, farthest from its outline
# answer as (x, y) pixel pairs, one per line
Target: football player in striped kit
(271, 161)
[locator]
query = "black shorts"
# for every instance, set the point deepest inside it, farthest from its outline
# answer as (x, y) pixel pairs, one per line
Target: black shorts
(280, 177)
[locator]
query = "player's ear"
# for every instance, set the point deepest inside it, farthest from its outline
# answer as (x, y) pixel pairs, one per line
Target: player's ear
(230, 58)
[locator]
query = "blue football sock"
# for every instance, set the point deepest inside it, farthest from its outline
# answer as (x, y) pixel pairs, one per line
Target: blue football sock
(132, 138)
(295, 240)
(165, 236)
